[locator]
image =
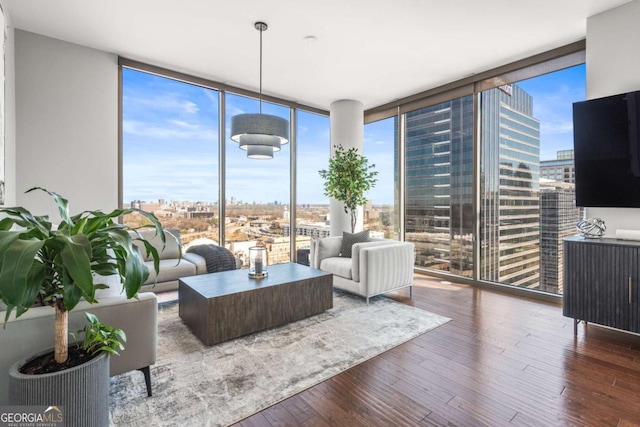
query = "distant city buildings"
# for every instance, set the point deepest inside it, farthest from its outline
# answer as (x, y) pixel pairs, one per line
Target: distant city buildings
(316, 230)
(561, 169)
(558, 217)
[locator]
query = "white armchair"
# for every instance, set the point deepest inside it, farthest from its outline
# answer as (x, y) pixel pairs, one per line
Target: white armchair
(375, 267)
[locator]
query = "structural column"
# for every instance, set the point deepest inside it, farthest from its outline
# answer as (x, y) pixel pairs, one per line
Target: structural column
(347, 129)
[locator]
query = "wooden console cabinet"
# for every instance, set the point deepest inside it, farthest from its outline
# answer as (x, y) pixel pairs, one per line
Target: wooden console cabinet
(602, 282)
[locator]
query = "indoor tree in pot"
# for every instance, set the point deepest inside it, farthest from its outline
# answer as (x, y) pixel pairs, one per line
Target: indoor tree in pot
(349, 177)
(57, 267)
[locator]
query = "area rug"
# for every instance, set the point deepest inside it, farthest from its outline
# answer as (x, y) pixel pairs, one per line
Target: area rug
(219, 385)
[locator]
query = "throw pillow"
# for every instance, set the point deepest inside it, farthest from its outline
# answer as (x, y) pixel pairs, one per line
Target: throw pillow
(349, 239)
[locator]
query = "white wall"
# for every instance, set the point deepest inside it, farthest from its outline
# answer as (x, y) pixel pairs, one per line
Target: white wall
(347, 129)
(66, 124)
(613, 66)
(9, 112)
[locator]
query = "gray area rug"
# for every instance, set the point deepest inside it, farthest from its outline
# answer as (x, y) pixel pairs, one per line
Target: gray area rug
(195, 385)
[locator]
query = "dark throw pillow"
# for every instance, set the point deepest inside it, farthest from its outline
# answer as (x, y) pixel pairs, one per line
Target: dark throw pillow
(349, 239)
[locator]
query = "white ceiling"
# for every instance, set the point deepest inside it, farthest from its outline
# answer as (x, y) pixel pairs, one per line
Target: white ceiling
(374, 51)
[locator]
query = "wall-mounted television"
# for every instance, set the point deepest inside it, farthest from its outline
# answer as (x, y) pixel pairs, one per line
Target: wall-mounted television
(606, 150)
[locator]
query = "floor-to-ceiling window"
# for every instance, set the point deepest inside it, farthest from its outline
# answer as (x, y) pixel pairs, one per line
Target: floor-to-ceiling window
(527, 178)
(439, 185)
(488, 180)
(172, 137)
(480, 176)
(257, 191)
(312, 154)
(380, 146)
(170, 153)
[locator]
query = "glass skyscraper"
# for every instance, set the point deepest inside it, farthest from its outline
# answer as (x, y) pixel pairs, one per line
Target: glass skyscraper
(509, 206)
(439, 185)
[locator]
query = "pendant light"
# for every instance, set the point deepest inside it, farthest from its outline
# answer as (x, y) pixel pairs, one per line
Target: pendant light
(259, 134)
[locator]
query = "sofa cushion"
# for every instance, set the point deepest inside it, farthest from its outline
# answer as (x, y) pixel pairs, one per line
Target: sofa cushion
(171, 247)
(349, 239)
(170, 269)
(198, 261)
(339, 266)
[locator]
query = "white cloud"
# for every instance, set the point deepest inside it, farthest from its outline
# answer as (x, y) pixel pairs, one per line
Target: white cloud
(171, 129)
(165, 102)
(183, 124)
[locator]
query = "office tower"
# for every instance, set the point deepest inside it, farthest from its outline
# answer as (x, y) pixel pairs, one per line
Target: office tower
(509, 205)
(558, 217)
(561, 169)
(439, 185)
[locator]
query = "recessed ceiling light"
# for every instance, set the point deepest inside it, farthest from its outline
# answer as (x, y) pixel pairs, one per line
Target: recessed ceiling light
(310, 39)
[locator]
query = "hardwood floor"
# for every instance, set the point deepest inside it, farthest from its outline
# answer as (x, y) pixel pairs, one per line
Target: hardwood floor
(501, 361)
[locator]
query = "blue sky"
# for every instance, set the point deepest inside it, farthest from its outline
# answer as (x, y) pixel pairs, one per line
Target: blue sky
(553, 98)
(170, 147)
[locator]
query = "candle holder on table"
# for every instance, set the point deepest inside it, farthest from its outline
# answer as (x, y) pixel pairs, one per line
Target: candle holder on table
(257, 262)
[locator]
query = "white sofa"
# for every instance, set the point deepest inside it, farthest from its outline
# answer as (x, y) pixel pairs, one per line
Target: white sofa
(374, 268)
(172, 266)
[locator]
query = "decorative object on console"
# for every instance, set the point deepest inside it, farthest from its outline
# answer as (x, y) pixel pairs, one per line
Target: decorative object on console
(258, 262)
(591, 228)
(259, 134)
(348, 179)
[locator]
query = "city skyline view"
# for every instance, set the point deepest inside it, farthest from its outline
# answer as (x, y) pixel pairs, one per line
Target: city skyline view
(171, 134)
(171, 166)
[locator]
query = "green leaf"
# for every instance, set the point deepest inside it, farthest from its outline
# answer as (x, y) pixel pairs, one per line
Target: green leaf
(18, 261)
(63, 204)
(92, 318)
(6, 224)
(72, 294)
(135, 271)
(75, 256)
(349, 176)
(25, 219)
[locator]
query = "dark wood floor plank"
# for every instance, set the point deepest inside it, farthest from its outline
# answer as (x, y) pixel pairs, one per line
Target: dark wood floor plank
(501, 360)
(304, 413)
(257, 420)
(395, 406)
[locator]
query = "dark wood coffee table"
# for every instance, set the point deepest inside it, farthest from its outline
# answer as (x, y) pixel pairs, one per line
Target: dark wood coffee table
(226, 305)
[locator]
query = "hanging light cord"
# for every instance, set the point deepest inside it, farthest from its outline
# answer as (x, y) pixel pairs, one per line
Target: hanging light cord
(261, 69)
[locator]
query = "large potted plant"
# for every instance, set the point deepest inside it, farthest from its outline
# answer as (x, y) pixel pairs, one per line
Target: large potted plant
(347, 180)
(58, 266)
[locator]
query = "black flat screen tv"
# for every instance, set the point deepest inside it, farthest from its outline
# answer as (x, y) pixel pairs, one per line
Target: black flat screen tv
(606, 151)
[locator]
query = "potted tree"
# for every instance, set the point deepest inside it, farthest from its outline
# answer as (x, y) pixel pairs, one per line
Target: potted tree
(347, 180)
(57, 267)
